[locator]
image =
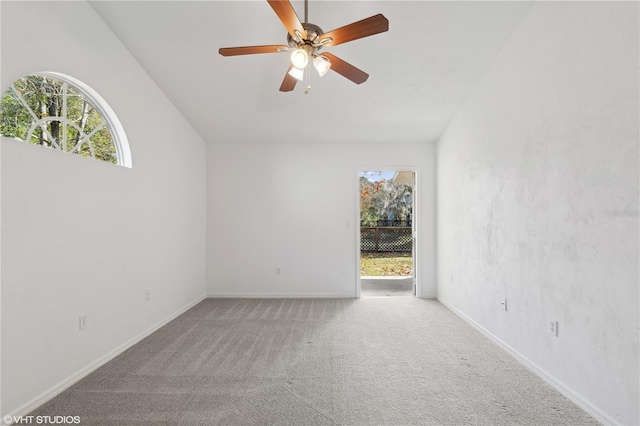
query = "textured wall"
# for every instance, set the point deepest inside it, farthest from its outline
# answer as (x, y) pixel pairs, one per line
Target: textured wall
(538, 200)
(86, 237)
(287, 206)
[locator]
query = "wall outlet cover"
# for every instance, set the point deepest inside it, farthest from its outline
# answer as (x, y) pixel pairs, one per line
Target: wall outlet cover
(503, 303)
(83, 321)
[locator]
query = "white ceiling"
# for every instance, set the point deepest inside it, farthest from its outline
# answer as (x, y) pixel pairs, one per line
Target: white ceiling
(420, 71)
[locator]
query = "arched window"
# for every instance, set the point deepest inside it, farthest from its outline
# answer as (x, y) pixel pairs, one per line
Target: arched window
(60, 112)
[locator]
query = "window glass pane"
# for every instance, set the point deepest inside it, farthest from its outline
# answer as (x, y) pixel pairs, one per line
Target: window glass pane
(45, 111)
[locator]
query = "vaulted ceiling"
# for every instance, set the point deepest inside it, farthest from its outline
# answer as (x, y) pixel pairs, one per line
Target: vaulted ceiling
(421, 70)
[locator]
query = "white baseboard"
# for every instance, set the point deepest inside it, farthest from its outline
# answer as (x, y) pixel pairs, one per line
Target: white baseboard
(580, 401)
(280, 296)
(76, 377)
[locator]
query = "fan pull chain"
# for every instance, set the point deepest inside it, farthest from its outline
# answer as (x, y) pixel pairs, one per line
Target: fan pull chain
(308, 71)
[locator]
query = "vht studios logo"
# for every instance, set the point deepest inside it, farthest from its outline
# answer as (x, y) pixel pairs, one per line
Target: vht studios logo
(622, 213)
(41, 420)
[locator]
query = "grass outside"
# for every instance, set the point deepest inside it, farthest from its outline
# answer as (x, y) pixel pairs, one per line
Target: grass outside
(386, 264)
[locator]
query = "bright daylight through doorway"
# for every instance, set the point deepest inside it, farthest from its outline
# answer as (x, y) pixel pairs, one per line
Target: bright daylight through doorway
(386, 233)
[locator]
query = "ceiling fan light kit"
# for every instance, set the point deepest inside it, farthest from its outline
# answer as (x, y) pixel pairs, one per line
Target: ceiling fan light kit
(322, 64)
(299, 58)
(297, 73)
(306, 40)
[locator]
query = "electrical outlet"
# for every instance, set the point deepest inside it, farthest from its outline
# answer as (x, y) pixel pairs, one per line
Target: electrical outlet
(503, 303)
(278, 272)
(147, 295)
(83, 321)
(554, 328)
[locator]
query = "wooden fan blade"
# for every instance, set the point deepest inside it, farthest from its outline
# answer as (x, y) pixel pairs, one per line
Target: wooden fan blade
(289, 82)
(250, 50)
(373, 25)
(347, 70)
(288, 16)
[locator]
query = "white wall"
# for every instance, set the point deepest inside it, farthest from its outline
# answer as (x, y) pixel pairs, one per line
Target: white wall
(85, 237)
(529, 171)
(288, 205)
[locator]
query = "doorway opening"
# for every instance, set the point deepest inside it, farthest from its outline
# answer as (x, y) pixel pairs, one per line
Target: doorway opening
(386, 243)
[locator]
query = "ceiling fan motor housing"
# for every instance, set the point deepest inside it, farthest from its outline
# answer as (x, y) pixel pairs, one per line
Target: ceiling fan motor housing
(313, 37)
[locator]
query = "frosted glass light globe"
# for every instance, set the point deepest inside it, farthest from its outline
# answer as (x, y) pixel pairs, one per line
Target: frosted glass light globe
(299, 58)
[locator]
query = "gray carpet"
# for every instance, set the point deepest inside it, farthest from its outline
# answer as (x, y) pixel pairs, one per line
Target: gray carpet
(375, 361)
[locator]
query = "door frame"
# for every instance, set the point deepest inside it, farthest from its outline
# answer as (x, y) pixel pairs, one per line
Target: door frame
(415, 222)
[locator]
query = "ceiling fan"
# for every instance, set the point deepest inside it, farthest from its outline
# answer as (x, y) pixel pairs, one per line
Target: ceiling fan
(306, 40)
